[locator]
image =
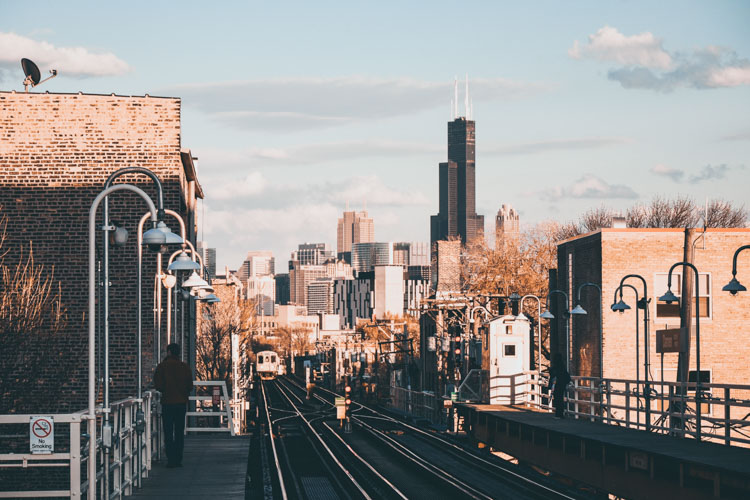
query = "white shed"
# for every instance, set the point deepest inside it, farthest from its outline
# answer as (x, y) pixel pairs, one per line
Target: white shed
(509, 358)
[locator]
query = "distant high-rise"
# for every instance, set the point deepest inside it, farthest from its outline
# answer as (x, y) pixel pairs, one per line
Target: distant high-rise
(257, 264)
(506, 225)
(208, 255)
(457, 215)
(314, 254)
(353, 227)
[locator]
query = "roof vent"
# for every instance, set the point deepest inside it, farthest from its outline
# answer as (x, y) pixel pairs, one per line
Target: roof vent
(619, 222)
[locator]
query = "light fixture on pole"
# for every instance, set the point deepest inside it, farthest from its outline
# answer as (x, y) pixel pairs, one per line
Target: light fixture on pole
(548, 315)
(735, 286)
(183, 263)
(107, 434)
(194, 281)
(538, 326)
(578, 311)
(621, 307)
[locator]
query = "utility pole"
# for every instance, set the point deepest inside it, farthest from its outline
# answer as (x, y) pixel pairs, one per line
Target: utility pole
(686, 324)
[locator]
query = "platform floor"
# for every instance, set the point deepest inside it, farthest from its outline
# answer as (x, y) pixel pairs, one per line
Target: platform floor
(214, 466)
(730, 458)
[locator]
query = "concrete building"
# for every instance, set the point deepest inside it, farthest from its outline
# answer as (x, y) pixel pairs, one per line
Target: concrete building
(57, 151)
(263, 290)
(259, 263)
(389, 291)
(312, 254)
(282, 288)
(605, 256)
(353, 227)
(353, 299)
(415, 291)
(411, 253)
(320, 296)
(208, 255)
(365, 256)
(446, 268)
(506, 225)
(457, 217)
(300, 276)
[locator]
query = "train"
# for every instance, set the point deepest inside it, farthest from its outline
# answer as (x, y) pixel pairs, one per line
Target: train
(267, 365)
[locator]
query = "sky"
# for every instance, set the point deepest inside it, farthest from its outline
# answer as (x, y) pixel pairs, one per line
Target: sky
(294, 109)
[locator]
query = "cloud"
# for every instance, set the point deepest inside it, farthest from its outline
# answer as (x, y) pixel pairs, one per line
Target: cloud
(291, 104)
(307, 154)
(645, 64)
(71, 61)
(675, 174)
(588, 186)
(554, 145)
(743, 136)
(710, 173)
(608, 44)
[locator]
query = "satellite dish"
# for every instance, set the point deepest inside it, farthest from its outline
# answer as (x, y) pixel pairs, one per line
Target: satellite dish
(33, 75)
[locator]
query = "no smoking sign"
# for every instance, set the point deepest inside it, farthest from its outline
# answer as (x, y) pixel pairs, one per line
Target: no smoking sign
(41, 434)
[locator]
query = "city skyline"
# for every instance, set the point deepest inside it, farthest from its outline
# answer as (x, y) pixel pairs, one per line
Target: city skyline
(576, 106)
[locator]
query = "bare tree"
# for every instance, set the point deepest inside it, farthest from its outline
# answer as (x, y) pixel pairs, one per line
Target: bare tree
(721, 213)
(294, 339)
(31, 317)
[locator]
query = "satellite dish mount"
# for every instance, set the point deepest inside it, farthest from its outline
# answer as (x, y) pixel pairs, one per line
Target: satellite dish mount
(33, 75)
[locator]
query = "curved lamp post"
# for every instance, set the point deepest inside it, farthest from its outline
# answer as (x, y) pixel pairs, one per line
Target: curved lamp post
(548, 315)
(538, 326)
(669, 297)
(152, 237)
(580, 311)
(735, 286)
(621, 307)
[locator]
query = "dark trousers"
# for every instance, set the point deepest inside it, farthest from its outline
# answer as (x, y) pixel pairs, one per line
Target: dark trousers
(558, 401)
(173, 418)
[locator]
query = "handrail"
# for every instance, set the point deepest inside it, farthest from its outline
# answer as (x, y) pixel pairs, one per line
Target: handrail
(128, 465)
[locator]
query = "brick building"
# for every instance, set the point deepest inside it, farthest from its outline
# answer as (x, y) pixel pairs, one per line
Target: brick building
(605, 256)
(56, 152)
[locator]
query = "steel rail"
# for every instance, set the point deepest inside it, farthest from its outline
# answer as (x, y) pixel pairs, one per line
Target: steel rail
(458, 449)
(282, 391)
(273, 444)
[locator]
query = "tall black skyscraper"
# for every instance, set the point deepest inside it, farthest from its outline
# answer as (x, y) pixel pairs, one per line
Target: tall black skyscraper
(457, 215)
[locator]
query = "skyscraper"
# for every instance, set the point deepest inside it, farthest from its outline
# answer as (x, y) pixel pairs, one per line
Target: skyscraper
(457, 215)
(353, 227)
(506, 225)
(208, 255)
(257, 264)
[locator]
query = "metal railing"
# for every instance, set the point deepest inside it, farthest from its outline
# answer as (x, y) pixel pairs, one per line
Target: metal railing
(654, 406)
(131, 453)
(420, 405)
(214, 413)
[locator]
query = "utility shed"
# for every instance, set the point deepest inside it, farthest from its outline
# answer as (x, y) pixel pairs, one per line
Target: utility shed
(507, 357)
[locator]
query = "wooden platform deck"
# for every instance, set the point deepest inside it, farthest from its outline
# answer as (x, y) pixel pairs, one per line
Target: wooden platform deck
(214, 466)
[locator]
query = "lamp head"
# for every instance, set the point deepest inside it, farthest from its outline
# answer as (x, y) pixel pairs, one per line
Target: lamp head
(669, 297)
(620, 307)
(734, 286)
(514, 296)
(547, 315)
(183, 263)
(578, 310)
(119, 236)
(643, 303)
(169, 239)
(194, 281)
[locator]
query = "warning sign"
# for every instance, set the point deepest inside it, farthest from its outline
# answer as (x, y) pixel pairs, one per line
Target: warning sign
(41, 434)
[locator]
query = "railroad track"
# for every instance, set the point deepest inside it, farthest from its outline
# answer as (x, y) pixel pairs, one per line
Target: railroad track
(469, 475)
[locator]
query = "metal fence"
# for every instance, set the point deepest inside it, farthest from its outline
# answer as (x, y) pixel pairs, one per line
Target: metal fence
(664, 407)
(131, 453)
(420, 405)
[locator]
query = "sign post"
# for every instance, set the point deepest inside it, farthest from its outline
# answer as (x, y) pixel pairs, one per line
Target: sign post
(41, 435)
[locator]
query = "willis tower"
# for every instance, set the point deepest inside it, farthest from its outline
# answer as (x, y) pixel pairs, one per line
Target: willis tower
(457, 217)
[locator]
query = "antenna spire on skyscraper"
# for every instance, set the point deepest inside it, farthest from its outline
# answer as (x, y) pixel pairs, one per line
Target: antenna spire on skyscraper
(455, 97)
(466, 98)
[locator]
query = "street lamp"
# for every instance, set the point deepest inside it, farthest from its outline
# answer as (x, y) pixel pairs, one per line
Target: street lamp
(538, 326)
(735, 286)
(548, 315)
(669, 297)
(106, 429)
(580, 311)
(621, 307)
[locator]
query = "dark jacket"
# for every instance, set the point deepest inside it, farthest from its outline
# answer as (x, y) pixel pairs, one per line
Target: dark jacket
(174, 380)
(560, 377)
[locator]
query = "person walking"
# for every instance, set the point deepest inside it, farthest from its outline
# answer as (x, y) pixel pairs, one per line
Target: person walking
(175, 381)
(559, 380)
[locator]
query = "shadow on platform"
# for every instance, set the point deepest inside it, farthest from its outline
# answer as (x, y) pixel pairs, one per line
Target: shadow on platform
(214, 466)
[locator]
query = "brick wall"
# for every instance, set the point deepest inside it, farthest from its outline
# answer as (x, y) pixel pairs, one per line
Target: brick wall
(56, 151)
(613, 253)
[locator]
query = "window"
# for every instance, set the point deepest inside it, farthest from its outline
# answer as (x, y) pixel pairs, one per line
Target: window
(672, 311)
(260, 359)
(509, 350)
